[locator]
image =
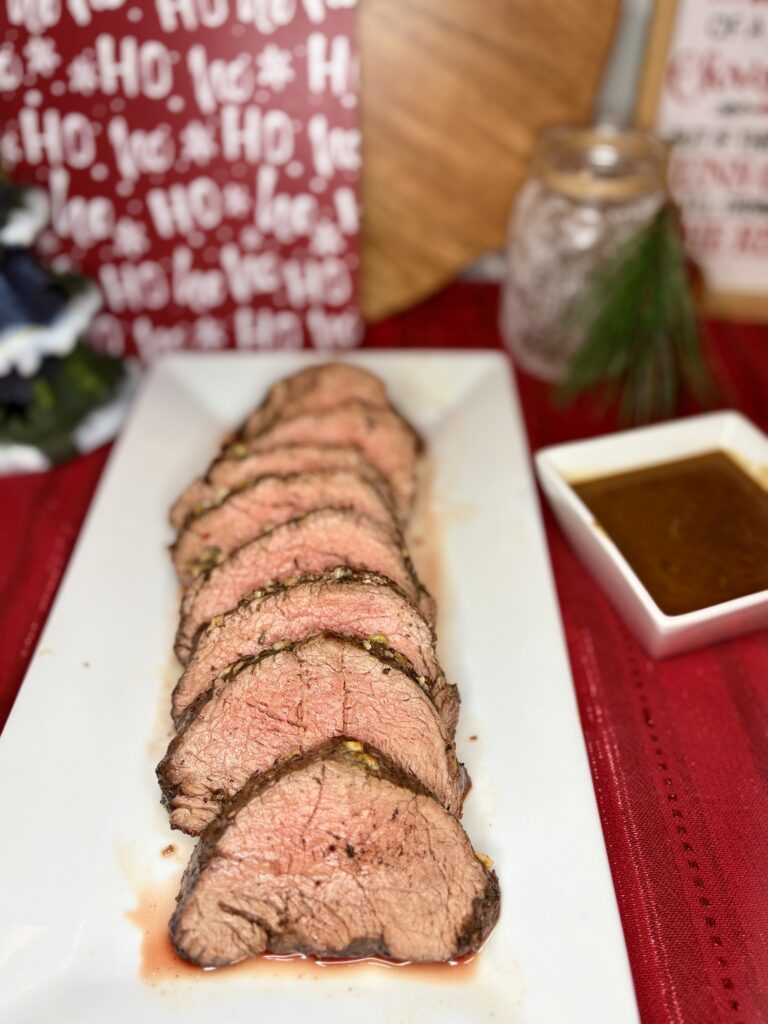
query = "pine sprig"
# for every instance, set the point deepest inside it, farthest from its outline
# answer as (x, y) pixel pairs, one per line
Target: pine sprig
(640, 338)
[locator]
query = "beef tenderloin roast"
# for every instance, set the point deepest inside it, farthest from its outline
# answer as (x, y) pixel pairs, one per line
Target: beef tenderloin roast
(239, 465)
(334, 853)
(315, 744)
(241, 515)
(354, 603)
(313, 543)
(384, 438)
(265, 707)
(314, 390)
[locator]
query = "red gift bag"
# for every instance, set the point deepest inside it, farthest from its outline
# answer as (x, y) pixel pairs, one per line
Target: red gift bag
(201, 159)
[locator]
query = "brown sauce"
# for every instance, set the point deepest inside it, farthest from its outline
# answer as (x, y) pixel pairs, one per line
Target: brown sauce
(694, 530)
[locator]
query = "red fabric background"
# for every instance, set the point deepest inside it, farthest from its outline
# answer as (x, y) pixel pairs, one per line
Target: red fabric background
(678, 749)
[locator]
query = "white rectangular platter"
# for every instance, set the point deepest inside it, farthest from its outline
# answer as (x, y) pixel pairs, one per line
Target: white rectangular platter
(88, 866)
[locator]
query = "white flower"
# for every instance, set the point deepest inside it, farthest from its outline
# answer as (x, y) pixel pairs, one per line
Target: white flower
(83, 75)
(326, 239)
(130, 238)
(10, 149)
(197, 143)
(275, 69)
(208, 332)
(237, 200)
(42, 58)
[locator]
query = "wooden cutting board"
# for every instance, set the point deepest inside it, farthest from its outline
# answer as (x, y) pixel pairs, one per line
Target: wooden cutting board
(454, 93)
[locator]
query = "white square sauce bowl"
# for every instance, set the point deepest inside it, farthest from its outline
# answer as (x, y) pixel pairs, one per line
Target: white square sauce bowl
(559, 467)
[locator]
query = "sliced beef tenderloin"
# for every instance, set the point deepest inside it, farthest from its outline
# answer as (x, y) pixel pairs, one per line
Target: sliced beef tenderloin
(364, 605)
(313, 543)
(383, 436)
(206, 539)
(314, 390)
(264, 708)
(240, 465)
(335, 853)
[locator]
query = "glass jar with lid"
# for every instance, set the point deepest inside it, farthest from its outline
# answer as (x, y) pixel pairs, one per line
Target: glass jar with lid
(589, 190)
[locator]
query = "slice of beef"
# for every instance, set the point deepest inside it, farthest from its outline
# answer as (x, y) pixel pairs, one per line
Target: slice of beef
(241, 464)
(364, 605)
(336, 853)
(314, 390)
(316, 542)
(264, 708)
(206, 539)
(383, 436)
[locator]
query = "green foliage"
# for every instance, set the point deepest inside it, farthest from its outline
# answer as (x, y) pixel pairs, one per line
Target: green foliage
(61, 398)
(641, 341)
(11, 196)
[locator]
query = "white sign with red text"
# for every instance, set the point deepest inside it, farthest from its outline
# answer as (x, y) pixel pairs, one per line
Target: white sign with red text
(714, 105)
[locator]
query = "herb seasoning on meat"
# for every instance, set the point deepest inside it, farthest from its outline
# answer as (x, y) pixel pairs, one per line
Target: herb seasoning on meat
(695, 530)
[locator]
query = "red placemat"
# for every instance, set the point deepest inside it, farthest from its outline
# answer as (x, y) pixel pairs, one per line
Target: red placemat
(678, 749)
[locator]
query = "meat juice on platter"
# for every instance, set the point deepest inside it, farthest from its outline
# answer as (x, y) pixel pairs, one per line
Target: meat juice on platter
(311, 704)
(162, 965)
